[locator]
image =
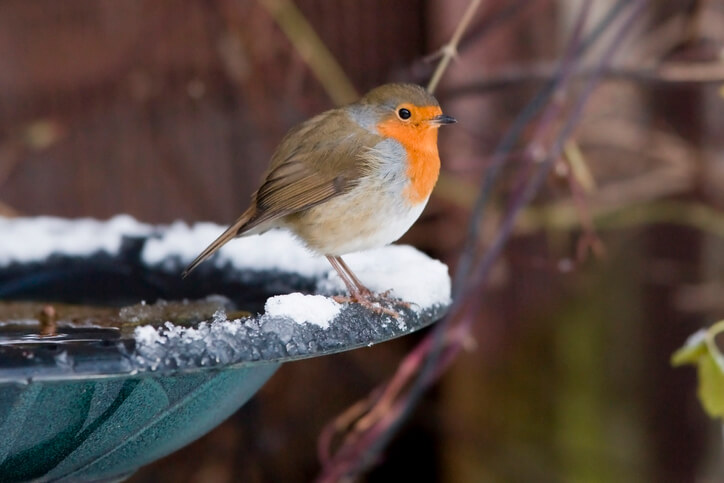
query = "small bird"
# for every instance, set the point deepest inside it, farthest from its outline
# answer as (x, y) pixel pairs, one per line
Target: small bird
(349, 179)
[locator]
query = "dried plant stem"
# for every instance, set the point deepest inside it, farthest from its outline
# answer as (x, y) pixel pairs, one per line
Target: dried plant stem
(483, 266)
(579, 167)
(312, 50)
(449, 50)
(8, 211)
(613, 206)
(582, 183)
(564, 217)
(666, 73)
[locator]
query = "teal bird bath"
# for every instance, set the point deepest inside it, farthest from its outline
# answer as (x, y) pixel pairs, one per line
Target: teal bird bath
(120, 382)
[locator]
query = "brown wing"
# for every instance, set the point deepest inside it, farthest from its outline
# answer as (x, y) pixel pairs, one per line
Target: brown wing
(292, 187)
(317, 160)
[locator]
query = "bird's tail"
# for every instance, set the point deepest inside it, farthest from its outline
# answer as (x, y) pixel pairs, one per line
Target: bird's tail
(238, 228)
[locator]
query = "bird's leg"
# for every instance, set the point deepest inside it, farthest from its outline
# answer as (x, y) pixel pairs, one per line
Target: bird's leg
(357, 291)
(359, 285)
(386, 295)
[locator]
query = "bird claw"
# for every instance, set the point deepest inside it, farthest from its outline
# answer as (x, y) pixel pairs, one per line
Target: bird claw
(386, 296)
(371, 302)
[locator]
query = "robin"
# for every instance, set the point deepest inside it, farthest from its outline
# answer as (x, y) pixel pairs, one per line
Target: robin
(349, 179)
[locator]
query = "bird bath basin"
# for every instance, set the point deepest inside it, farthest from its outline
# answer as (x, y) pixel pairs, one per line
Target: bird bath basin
(137, 362)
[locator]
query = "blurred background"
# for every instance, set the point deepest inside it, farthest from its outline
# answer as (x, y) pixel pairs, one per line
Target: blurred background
(169, 109)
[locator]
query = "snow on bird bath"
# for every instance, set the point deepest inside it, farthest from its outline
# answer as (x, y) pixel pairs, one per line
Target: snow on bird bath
(292, 325)
(409, 274)
(314, 309)
(274, 250)
(26, 240)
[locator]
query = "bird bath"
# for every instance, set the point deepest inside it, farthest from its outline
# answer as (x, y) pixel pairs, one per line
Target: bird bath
(123, 377)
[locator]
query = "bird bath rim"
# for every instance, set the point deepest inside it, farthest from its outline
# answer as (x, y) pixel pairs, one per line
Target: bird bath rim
(45, 253)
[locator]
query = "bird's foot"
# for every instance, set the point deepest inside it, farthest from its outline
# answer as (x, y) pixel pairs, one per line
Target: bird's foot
(373, 302)
(386, 296)
(370, 303)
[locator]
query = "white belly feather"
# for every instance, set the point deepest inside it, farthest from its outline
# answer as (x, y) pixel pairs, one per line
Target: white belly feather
(374, 213)
(359, 220)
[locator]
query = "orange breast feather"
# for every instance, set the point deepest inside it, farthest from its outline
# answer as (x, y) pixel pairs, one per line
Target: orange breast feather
(423, 160)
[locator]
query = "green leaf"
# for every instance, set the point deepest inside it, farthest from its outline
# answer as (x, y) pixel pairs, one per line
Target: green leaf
(711, 386)
(701, 350)
(693, 349)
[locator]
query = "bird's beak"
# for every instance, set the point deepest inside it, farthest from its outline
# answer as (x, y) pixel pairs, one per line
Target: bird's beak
(441, 119)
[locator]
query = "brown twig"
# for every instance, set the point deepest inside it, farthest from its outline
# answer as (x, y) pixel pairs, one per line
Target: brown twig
(449, 50)
(564, 217)
(8, 211)
(581, 182)
(674, 72)
(312, 50)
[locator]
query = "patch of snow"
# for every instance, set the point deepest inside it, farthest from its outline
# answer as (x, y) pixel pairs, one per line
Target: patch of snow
(146, 335)
(409, 274)
(314, 309)
(26, 240)
(275, 249)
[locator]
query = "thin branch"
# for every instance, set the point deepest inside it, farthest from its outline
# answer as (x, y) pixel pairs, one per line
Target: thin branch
(449, 50)
(8, 211)
(666, 73)
(581, 183)
(510, 9)
(312, 50)
(465, 262)
(589, 238)
(538, 179)
(692, 214)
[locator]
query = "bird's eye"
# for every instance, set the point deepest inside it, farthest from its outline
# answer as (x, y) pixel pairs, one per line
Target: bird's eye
(404, 113)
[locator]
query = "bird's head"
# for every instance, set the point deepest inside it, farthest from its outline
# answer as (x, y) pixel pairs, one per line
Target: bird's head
(406, 112)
